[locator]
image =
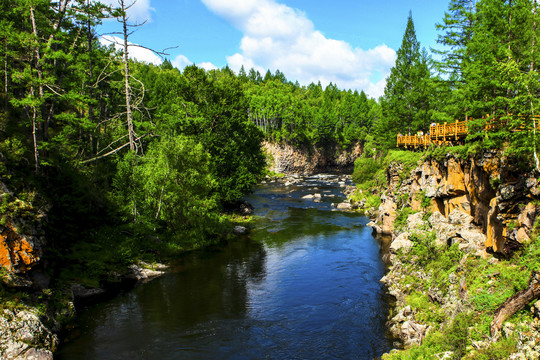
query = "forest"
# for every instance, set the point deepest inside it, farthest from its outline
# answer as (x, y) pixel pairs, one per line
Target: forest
(107, 145)
(103, 140)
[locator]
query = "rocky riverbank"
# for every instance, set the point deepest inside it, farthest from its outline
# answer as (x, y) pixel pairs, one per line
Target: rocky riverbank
(29, 329)
(463, 242)
(35, 308)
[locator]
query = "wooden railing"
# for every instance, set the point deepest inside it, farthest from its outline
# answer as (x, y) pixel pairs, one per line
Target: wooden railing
(438, 134)
(450, 133)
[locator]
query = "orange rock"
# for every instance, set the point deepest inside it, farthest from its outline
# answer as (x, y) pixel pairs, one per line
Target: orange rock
(16, 252)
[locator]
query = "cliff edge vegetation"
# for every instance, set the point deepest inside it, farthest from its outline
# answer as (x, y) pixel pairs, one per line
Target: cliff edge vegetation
(464, 251)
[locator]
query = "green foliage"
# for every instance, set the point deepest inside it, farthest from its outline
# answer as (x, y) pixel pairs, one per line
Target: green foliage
(428, 312)
(14, 208)
(303, 116)
(408, 159)
(425, 202)
(408, 92)
(457, 335)
(424, 247)
(440, 153)
(401, 218)
(364, 169)
(170, 187)
(500, 350)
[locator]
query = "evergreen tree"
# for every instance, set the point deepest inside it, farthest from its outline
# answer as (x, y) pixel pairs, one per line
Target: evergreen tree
(457, 27)
(457, 30)
(405, 101)
(501, 76)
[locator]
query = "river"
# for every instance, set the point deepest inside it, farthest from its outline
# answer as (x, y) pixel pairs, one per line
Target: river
(304, 284)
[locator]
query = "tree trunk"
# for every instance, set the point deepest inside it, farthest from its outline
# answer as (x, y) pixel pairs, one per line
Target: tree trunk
(129, 115)
(6, 77)
(89, 38)
(40, 87)
(34, 136)
(516, 303)
(533, 43)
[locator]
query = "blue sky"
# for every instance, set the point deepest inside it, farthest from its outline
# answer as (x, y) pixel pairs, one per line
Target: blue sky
(351, 43)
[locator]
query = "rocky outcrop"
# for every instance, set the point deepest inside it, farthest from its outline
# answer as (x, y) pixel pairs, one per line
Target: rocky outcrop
(288, 159)
(468, 208)
(456, 228)
(23, 337)
(19, 250)
(21, 237)
(500, 198)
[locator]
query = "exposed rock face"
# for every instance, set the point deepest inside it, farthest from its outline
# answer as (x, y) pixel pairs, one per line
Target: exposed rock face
(19, 252)
(458, 228)
(498, 197)
(23, 336)
(386, 215)
(21, 238)
(479, 204)
(291, 160)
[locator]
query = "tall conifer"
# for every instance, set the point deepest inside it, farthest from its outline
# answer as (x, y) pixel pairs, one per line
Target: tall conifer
(404, 95)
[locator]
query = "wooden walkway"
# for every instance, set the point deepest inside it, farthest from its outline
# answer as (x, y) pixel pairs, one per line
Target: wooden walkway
(438, 134)
(448, 133)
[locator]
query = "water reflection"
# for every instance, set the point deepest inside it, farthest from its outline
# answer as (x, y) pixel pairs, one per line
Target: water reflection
(199, 300)
(303, 285)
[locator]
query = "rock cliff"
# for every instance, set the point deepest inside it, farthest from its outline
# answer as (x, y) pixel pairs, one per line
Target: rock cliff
(288, 159)
(21, 236)
(500, 197)
(22, 332)
(452, 262)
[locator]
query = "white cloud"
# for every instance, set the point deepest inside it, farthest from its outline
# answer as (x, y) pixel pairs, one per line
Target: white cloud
(135, 52)
(139, 12)
(207, 66)
(279, 37)
(181, 62)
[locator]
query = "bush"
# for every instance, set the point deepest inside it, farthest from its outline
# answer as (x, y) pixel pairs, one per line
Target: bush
(365, 169)
(401, 218)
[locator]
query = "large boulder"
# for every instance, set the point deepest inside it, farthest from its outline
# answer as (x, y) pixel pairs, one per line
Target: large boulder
(23, 336)
(402, 242)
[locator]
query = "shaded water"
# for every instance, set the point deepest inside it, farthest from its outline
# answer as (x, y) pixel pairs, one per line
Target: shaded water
(303, 285)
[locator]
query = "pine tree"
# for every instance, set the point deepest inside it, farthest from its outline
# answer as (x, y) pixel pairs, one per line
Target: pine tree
(405, 100)
(457, 31)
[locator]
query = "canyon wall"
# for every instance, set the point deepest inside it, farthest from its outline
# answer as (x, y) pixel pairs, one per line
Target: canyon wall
(502, 198)
(288, 159)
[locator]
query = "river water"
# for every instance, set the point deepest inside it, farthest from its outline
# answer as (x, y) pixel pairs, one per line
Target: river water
(304, 284)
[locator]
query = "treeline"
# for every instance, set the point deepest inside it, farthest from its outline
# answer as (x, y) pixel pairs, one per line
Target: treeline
(307, 115)
(486, 64)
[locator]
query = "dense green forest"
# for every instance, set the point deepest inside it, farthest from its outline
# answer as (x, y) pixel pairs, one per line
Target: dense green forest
(105, 140)
(484, 68)
(128, 159)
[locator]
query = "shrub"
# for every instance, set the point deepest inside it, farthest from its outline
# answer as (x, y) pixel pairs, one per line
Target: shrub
(401, 218)
(364, 169)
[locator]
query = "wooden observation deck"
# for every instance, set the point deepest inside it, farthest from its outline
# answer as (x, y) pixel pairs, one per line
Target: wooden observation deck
(438, 134)
(454, 133)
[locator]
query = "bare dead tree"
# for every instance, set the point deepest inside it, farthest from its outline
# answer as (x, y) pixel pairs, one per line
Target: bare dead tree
(133, 98)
